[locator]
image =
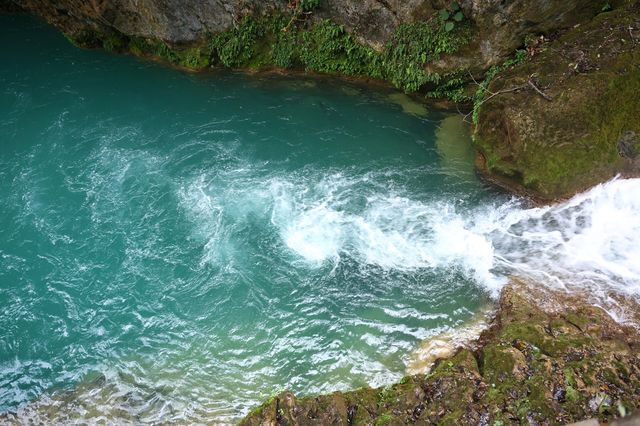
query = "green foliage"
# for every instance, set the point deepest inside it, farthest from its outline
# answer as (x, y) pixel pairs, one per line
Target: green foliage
(451, 16)
(309, 5)
(113, 43)
(451, 87)
(329, 48)
(478, 98)
(606, 7)
(236, 47)
(412, 46)
(284, 51)
(288, 40)
(194, 57)
(384, 420)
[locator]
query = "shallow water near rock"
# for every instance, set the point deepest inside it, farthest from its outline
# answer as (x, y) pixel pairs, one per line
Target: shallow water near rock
(180, 247)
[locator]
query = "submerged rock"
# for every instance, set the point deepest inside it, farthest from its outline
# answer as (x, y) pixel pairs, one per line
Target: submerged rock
(549, 363)
(568, 117)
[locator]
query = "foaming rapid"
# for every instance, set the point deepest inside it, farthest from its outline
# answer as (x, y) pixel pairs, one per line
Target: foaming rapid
(590, 243)
(360, 219)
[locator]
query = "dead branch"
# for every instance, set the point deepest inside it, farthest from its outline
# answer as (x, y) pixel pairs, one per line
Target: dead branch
(540, 92)
(500, 92)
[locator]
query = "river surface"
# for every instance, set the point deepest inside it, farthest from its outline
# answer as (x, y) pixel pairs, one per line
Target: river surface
(180, 247)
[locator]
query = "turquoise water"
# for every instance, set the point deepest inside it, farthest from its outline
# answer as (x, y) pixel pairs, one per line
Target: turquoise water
(180, 247)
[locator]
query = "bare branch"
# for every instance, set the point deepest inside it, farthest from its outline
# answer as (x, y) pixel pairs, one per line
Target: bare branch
(540, 92)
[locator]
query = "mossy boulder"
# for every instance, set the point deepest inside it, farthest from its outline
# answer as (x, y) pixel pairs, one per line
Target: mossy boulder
(548, 358)
(569, 116)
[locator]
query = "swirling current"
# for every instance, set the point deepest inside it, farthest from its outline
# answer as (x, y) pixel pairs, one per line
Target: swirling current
(179, 247)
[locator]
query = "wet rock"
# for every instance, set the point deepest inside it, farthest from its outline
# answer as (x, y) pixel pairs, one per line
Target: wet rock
(559, 394)
(629, 145)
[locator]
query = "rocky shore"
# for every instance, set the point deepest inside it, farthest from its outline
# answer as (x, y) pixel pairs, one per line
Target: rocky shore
(546, 358)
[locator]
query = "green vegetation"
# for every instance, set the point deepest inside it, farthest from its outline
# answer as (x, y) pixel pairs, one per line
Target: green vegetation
(328, 48)
(237, 47)
(479, 96)
(451, 16)
(309, 5)
(294, 41)
(586, 98)
(412, 46)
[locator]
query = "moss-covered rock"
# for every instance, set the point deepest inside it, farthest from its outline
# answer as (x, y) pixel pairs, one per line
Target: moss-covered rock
(553, 362)
(568, 117)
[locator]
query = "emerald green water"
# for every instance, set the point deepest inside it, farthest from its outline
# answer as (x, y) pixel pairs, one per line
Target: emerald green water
(199, 242)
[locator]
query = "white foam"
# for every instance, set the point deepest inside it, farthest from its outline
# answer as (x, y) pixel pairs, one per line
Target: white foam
(590, 242)
(316, 234)
(318, 222)
(205, 210)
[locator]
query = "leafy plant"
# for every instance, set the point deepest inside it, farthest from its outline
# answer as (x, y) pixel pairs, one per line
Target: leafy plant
(309, 5)
(412, 46)
(451, 16)
(235, 47)
(287, 40)
(451, 87)
(328, 47)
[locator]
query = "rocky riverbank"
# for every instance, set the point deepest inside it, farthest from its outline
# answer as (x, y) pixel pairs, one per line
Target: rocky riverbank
(547, 358)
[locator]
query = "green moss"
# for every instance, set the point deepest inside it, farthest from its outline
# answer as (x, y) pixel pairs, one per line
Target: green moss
(384, 420)
(452, 418)
(572, 394)
(259, 410)
(539, 399)
(623, 86)
(387, 395)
